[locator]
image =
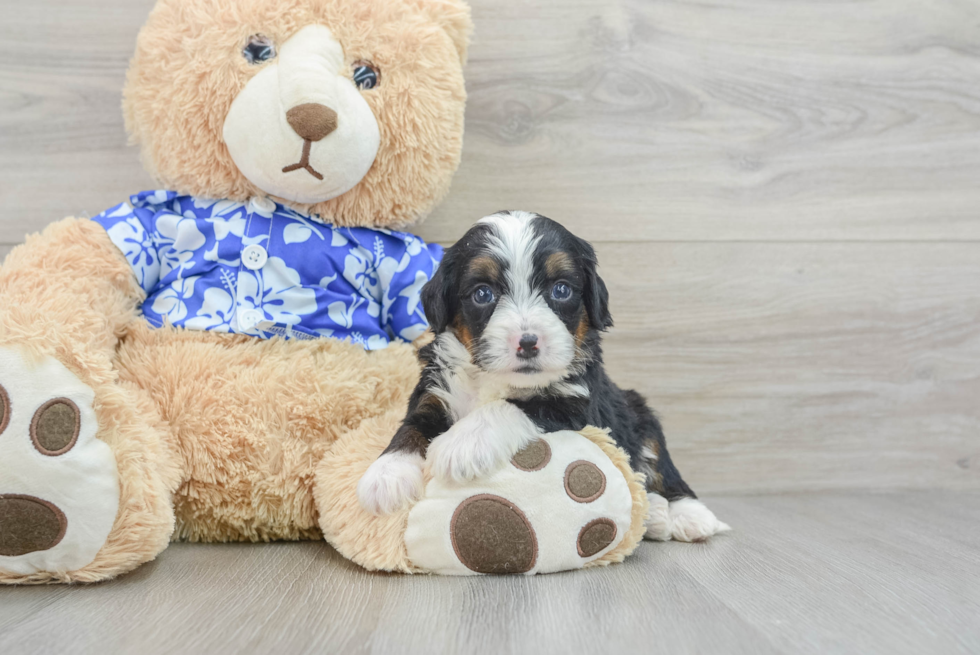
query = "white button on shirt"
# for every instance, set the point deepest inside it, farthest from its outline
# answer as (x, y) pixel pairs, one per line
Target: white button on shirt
(254, 257)
(249, 318)
(262, 205)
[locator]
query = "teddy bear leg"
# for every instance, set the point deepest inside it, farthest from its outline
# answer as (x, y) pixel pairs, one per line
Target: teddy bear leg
(85, 473)
(375, 542)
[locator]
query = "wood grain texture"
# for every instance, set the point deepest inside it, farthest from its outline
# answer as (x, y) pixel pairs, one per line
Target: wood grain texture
(820, 573)
(786, 366)
(740, 120)
(733, 120)
(783, 195)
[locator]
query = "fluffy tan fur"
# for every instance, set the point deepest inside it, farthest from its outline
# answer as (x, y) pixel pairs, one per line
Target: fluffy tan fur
(216, 436)
(70, 294)
(375, 542)
(188, 69)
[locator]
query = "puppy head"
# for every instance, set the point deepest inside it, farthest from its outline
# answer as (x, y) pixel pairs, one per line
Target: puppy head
(522, 294)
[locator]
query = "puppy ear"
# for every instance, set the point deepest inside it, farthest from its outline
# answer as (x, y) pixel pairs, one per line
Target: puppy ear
(594, 291)
(439, 294)
(597, 300)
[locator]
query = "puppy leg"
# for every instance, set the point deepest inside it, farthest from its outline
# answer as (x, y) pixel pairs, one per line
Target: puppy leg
(481, 442)
(675, 512)
(394, 480)
(657, 523)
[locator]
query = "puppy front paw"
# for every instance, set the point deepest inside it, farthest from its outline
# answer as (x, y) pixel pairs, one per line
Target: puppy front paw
(480, 443)
(460, 455)
(393, 481)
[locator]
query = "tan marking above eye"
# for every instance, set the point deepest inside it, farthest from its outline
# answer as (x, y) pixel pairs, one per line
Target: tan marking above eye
(55, 427)
(558, 264)
(486, 268)
(4, 409)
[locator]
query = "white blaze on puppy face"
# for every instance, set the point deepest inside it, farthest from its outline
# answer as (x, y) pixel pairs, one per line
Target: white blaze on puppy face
(522, 309)
(310, 69)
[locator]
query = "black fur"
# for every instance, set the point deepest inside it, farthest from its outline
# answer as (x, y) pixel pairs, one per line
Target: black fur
(447, 304)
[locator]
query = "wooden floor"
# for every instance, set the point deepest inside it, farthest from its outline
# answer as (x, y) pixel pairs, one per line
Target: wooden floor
(810, 573)
(785, 198)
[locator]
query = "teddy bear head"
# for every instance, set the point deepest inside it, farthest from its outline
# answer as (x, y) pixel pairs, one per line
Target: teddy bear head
(347, 109)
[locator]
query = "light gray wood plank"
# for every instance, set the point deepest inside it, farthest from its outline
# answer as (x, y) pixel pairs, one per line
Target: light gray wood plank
(848, 573)
(733, 120)
(62, 144)
(741, 120)
(815, 573)
(791, 367)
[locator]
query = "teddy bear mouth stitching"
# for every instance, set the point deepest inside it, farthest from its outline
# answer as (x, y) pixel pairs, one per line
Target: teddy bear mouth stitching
(304, 162)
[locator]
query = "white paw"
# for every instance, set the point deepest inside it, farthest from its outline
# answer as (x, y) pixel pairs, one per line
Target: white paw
(658, 518)
(690, 520)
(393, 481)
(480, 443)
(59, 487)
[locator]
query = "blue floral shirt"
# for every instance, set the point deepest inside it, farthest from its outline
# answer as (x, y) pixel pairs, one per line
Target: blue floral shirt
(262, 269)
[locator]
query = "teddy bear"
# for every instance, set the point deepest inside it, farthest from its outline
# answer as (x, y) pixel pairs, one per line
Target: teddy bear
(222, 359)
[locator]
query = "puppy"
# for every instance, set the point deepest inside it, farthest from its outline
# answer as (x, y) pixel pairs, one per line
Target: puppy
(517, 309)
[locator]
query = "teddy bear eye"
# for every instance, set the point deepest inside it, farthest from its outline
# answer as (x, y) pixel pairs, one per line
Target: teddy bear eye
(366, 76)
(258, 49)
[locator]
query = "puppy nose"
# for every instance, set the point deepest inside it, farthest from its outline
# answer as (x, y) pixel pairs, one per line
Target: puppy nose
(312, 121)
(528, 346)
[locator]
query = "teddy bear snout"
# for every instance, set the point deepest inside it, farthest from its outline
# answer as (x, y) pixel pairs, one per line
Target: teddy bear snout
(312, 121)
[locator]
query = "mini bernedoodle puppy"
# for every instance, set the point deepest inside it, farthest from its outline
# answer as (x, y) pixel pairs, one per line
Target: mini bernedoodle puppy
(517, 309)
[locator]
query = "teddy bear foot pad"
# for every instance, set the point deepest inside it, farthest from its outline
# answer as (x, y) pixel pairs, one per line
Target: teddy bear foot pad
(558, 505)
(59, 488)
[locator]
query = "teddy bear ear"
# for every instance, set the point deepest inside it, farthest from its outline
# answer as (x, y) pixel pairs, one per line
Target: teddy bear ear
(454, 17)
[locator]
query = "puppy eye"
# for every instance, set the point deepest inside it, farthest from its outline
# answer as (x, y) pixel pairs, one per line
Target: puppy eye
(258, 49)
(561, 291)
(483, 295)
(366, 76)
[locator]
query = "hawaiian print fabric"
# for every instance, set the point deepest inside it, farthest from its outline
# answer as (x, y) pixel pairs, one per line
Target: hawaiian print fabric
(262, 269)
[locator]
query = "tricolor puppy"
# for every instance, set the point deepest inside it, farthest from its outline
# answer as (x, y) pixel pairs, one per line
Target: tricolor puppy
(517, 309)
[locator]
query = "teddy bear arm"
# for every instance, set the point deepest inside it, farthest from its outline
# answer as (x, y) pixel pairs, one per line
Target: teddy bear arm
(67, 292)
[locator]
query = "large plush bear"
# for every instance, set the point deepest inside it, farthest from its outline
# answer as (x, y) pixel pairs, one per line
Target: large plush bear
(222, 360)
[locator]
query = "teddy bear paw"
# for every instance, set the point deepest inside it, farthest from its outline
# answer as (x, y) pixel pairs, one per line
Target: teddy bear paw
(558, 504)
(59, 488)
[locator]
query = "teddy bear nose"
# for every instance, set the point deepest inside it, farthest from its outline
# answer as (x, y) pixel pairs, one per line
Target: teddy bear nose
(312, 121)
